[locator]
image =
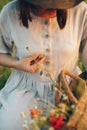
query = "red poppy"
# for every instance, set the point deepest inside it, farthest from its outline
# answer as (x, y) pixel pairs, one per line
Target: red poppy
(57, 122)
(34, 112)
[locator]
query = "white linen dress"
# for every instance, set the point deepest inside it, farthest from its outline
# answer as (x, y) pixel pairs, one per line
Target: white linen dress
(61, 46)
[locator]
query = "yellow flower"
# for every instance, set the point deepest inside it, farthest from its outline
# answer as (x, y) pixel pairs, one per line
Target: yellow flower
(23, 114)
(51, 128)
(25, 126)
(34, 125)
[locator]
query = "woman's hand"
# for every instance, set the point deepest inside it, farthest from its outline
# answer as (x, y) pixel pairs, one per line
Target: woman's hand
(32, 63)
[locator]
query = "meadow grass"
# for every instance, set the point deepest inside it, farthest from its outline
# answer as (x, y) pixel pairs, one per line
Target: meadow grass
(3, 2)
(4, 71)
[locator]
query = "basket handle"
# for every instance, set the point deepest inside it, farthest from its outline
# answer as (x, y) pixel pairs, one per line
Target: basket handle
(63, 80)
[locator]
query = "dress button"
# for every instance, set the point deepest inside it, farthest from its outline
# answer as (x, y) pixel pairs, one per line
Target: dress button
(47, 62)
(47, 50)
(46, 35)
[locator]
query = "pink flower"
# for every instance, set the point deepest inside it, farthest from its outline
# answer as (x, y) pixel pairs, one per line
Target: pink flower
(57, 122)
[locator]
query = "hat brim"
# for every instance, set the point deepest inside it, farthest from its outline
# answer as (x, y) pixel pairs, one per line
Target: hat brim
(60, 4)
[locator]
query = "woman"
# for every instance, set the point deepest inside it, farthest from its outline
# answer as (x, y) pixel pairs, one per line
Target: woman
(48, 36)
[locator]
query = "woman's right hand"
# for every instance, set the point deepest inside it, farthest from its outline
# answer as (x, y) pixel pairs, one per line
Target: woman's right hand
(32, 63)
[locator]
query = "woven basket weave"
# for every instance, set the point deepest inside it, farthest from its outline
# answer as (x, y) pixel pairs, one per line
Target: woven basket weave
(78, 120)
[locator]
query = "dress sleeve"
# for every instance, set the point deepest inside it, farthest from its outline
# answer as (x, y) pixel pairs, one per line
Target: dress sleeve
(83, 47)
(5, 33)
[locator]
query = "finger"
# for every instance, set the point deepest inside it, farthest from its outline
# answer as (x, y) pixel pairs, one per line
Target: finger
(31, 59)
(33, 68)
(41, 61)
(40, 57)
(34, 56)
(37, 59)
(36, 65)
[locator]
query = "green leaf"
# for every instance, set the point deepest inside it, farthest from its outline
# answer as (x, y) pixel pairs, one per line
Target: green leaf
(41, 73)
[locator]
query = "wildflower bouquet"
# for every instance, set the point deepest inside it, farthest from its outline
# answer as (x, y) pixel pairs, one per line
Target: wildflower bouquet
(68, 110)
(46, 116)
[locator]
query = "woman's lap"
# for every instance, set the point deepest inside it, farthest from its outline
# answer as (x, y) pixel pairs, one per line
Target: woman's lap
(17, 102)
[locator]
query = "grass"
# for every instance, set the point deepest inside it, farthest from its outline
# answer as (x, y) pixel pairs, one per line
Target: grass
(5, 71)
(3, 2)
(4, 74)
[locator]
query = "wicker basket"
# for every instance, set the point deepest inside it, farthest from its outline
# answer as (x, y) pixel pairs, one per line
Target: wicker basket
(78, 120)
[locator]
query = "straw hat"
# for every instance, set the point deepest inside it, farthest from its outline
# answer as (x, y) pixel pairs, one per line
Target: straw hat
(60, 4)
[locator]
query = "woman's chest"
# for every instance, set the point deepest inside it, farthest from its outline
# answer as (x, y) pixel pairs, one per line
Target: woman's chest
(46, 37)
